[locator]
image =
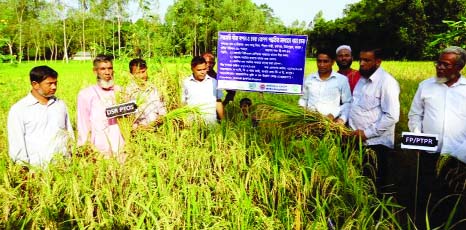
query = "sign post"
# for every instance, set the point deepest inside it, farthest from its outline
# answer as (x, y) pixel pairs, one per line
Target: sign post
(261, 62)
(121, 109)
(420, 141)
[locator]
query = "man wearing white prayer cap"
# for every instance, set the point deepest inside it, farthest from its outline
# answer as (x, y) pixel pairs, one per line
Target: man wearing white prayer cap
(344, 60)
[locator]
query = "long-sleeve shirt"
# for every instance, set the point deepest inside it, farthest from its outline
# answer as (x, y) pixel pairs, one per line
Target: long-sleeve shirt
(439, 109)
(36, 132)
(150, 107)
(93, 124)
(330, 96)
(376, 108)
(203, 94)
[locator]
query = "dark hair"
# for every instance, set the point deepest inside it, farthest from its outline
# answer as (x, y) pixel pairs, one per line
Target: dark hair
(329, 53)
(40, 73)
(197, 60)
(137, 62)
(208, 54)
(246, 101)
(102, 58)
(377, 51)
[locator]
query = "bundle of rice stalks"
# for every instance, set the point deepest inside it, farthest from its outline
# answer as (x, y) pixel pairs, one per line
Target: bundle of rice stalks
(295, 120)
(177, 118)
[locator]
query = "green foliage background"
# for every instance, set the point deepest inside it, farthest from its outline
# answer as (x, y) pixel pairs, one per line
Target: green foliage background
(57, 29)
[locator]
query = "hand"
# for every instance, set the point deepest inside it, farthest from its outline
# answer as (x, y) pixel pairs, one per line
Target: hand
(339, 121)
(359, 133)
(330, 116)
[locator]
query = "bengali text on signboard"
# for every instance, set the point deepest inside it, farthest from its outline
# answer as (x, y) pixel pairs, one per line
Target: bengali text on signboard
(261, 62)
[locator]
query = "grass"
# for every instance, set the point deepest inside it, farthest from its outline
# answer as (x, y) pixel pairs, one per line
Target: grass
(283, 174)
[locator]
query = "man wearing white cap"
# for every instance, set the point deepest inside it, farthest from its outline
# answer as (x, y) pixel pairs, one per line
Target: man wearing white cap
(344, 60)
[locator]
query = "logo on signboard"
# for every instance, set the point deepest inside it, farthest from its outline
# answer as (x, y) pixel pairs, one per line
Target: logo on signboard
(252, 85)
(262, 86)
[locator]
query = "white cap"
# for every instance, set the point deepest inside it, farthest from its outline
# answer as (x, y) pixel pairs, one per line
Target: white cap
(343, 47)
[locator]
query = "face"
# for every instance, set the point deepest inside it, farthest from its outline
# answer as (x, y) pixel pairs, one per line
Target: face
(104, 71)
(446, 67)
(368, 64)
(140, 73)
(210, 61)
(344, 59)
(200, 71)
(324, 64)
(46, 88)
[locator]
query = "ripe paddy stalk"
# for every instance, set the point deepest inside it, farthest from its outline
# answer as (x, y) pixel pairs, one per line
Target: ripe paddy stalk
(286, 172)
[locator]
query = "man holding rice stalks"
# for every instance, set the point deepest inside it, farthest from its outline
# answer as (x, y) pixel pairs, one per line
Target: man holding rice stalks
(327, 91)
(94, 126)
(375, 109)
(200, 90)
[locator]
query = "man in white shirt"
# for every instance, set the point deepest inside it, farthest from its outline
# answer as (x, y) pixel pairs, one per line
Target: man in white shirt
(375, 108)
(438, 108)
(200, 89)
(39, 125)
(327, 91)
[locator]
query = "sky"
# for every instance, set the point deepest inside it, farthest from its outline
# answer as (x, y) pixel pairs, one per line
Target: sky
(291, 10)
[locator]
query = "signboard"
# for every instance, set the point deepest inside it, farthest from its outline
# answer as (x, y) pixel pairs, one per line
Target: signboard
(421, 141)
(261, 62)
(121, 109)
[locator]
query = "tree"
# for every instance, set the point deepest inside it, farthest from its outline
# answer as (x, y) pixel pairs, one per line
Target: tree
(194, 25)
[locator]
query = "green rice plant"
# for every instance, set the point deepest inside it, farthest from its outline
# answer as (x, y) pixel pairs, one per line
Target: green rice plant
(294, 170)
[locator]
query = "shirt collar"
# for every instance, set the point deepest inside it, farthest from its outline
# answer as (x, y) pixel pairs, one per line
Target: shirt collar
(461, 81)
(31, 100)
(375, 77)
(191, 78)
(332, 75)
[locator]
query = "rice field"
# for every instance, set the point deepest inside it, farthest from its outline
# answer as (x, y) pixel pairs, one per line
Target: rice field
(293, 171)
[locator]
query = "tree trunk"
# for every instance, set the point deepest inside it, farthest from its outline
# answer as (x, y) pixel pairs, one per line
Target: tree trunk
(10, 48)
(119, 36)
(65, 45)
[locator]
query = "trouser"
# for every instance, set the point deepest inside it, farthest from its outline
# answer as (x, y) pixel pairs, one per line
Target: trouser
(376, 167)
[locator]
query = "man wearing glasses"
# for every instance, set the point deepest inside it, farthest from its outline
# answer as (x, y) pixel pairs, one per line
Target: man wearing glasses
(438, 108)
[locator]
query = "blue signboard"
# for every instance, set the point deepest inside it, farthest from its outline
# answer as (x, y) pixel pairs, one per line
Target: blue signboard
(261, 62)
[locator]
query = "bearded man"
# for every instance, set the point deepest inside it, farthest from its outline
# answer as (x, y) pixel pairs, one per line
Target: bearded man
(344, 60)
(93, 124)
(437, 109)
(375, 109)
